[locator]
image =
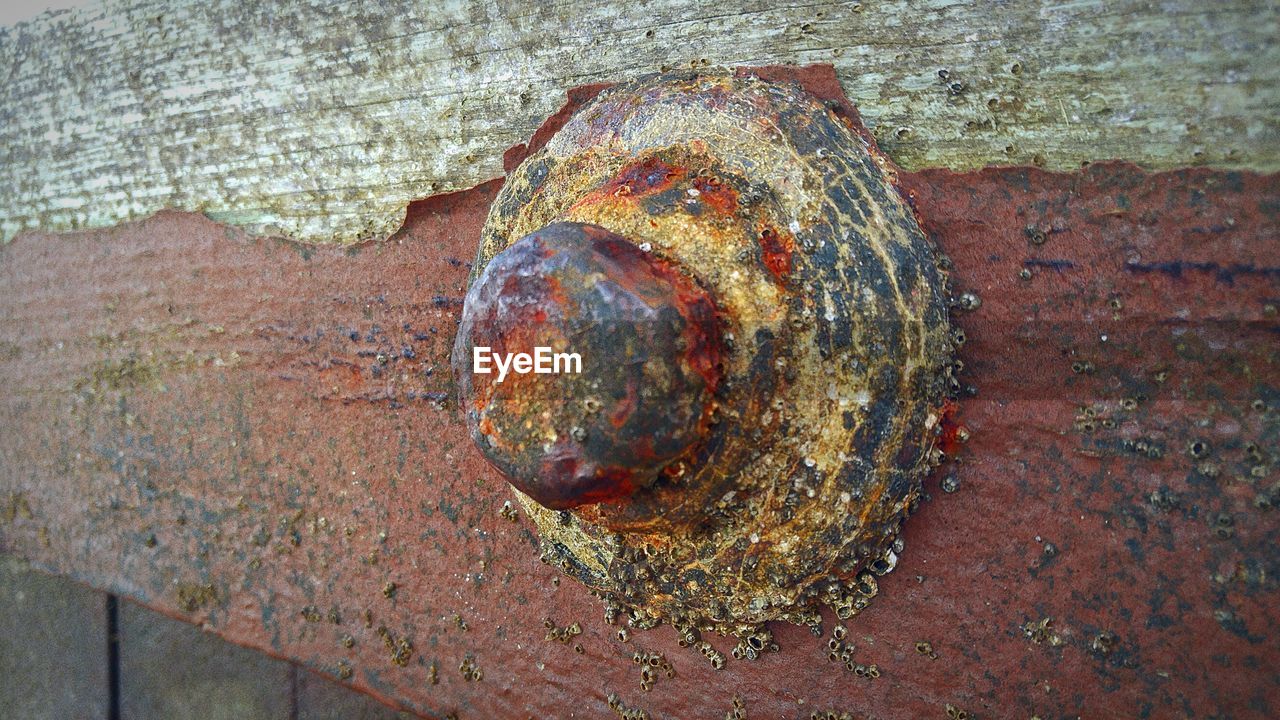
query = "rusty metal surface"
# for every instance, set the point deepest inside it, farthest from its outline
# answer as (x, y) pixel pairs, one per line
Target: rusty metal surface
(548, 290)
(257, 436)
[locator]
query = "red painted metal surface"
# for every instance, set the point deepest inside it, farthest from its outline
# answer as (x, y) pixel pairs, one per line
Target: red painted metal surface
(261, 438)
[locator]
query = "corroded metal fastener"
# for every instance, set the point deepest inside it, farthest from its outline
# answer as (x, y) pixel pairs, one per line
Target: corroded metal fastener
(623, 386)
(764, 344)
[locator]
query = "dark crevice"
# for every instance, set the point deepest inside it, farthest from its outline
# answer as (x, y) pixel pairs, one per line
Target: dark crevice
(293, 692)
(113, 658)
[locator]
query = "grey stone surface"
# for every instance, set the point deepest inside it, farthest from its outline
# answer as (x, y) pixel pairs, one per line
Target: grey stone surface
(170, 670)
(54, 664)
(53, 647)
(322, 699)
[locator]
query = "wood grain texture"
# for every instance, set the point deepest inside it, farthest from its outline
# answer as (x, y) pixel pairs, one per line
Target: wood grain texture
(320, 122)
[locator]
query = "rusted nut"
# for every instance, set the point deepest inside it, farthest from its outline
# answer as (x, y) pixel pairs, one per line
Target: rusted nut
(621, 358)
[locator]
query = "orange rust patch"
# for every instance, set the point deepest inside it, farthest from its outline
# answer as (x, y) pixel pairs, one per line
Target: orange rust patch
(716, 195)
(775, 251)
(949, 440)
(648, 175)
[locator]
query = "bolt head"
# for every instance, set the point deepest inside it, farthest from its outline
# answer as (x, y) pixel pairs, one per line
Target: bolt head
(650, 347)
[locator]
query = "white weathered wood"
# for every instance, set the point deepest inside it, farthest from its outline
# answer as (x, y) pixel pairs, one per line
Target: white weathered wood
(321, 121)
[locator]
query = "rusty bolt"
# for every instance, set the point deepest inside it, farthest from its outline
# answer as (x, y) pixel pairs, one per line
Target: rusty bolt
(638, 396)
(764, 345)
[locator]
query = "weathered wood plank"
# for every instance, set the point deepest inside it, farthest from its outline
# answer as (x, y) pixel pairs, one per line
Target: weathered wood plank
(320, 122)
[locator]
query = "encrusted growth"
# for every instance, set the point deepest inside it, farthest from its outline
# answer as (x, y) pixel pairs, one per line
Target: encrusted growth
(834, 370)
